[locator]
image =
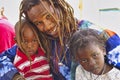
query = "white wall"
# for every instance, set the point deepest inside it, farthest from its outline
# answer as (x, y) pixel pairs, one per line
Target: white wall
(11, 9)
(90, 11)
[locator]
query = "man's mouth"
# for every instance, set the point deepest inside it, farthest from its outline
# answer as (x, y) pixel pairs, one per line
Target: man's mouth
(53, 31)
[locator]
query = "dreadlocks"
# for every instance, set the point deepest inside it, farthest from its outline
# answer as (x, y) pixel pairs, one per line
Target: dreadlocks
(65, 19)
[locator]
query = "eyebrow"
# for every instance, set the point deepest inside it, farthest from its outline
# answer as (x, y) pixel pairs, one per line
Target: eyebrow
(43, 14)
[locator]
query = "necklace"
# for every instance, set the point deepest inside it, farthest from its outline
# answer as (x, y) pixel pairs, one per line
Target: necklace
(58, 55)
(91, 74)
(104, 68)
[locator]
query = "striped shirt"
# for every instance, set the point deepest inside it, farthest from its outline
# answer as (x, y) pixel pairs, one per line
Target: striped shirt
(38, 69)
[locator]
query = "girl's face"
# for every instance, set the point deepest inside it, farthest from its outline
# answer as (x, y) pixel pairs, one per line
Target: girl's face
(92, 58)
(43, 19)
(29, 40)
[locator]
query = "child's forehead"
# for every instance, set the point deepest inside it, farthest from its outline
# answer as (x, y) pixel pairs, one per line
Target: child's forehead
(87, 47)
(27, 26)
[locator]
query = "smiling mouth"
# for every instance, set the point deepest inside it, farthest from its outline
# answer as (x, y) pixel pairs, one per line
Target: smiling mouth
(53, 31)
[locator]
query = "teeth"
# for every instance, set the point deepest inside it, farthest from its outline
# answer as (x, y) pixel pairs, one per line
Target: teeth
(54, 29)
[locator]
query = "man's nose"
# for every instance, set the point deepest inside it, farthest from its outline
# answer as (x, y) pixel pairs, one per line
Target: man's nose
(47, 24)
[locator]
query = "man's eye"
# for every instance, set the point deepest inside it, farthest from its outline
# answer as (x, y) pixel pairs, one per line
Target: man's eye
(38, 23)
(48, 16)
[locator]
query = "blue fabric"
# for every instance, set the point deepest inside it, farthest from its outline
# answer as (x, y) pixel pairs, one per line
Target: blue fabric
(7, 69)
(113, 49)
(112, 42)
(10, 53)
(65, 71)
(65, 68)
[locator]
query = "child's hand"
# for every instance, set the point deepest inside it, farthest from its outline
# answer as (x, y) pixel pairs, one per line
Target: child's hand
(18, 77)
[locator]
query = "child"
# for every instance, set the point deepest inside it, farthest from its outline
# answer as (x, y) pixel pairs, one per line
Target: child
(30, 59)
(88, 48)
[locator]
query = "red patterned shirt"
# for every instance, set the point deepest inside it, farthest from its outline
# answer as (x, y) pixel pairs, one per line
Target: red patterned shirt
(39, 69)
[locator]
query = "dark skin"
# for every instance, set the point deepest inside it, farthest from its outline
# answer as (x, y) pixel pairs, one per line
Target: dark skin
(17, 76)
(92, 59)
(30, 42)
(45, 22)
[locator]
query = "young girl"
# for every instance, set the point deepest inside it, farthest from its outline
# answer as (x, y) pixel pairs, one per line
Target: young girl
(30, 60)
(88, 48)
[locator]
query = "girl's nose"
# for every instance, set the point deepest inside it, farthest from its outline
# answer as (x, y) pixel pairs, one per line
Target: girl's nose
(92, 62)
(29, 45)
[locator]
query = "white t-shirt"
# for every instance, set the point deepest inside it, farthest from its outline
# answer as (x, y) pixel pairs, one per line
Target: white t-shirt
(82, 74)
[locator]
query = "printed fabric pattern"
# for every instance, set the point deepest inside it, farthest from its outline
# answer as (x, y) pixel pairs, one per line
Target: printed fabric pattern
(39, 68)
(7, 69)
(113, 49)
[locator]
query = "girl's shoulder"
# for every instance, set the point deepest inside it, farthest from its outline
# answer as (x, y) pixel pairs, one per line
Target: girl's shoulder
(114, 74)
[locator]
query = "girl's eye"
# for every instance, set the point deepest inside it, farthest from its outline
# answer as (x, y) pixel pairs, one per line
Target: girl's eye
(84, 61)
(95, 55)
(25, 42)
(35, 40)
